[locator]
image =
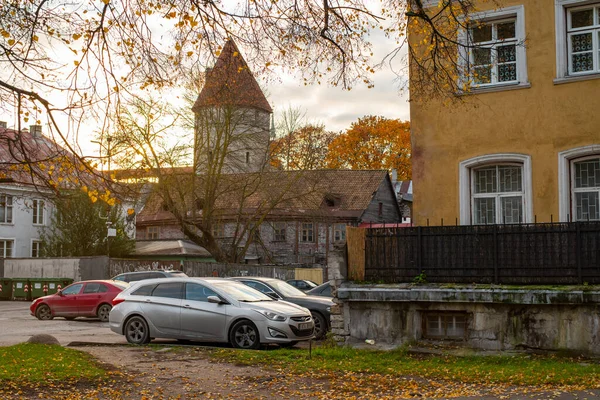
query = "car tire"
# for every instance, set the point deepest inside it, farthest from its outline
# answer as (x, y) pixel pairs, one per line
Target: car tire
(244, 335)
(136, 330)
(103, 311)
(320, 325)
(43, 313)
(69, 318)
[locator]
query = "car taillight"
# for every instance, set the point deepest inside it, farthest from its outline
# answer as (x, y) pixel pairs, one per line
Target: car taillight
(117, 301)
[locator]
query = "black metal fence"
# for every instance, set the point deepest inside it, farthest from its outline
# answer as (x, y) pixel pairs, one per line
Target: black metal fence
(555, 253)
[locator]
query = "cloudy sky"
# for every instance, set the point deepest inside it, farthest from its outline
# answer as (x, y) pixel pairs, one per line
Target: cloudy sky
(337, 108)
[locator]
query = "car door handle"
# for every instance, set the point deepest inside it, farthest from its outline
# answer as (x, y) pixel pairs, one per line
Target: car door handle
(186, 306)
(148, 301)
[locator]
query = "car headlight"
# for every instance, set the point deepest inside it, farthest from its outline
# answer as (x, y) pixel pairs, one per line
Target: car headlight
(328, 309)
(273, 316)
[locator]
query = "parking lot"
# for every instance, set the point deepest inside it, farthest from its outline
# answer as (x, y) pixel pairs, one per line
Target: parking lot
(17, 325)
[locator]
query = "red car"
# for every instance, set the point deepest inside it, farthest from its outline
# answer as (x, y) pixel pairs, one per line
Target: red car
(80, 299)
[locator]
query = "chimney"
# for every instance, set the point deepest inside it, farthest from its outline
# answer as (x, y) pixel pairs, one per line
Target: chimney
(3, 124)
(394, 175)
(36, 131)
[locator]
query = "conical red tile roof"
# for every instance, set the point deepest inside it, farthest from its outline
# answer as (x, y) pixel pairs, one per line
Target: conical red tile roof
(230, 82)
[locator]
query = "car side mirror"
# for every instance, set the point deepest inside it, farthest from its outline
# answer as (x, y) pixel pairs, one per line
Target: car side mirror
(273, 295)
(214, 299)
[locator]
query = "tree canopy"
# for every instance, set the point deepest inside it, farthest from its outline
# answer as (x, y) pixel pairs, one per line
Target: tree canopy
(79, 227)
(373, 142)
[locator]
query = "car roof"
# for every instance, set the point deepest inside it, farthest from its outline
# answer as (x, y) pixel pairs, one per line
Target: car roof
(256, 278)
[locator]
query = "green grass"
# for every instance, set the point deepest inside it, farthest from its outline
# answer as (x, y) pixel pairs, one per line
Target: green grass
(515, 370)
(29, 364)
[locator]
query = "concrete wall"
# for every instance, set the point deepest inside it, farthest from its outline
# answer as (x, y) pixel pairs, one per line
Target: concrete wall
(42, 268)
(496, 319)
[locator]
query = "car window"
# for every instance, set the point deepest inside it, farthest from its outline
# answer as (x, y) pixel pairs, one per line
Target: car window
(241, 292)
(286, 289)
(326, 291)
(301, 285)
(73, 289)
(145, 290)
(170, 290)
(258, 286)
(121, 278)
(196, 292)
(152, 275)
(139, 277)
(91, 287)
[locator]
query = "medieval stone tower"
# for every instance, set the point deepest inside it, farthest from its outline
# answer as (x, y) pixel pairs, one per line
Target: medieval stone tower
(232, 118)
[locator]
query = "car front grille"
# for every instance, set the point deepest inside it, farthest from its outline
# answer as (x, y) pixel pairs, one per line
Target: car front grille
(301, 319)
(301, 333)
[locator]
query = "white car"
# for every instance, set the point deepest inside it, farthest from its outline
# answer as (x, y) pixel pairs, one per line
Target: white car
(207, 310)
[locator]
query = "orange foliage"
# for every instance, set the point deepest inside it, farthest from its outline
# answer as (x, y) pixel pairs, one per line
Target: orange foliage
(373, 143)
(304, 148)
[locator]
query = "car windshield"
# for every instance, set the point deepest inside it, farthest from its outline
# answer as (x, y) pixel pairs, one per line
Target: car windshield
(121, 285)
(241, 292)
(286, 289)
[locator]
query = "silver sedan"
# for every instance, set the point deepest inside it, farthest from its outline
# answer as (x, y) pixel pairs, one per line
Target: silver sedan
(207, 309)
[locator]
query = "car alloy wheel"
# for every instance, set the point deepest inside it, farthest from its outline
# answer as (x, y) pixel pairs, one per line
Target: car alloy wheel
(136, 330)
(43, 313)
(320, 325)
(103, 312)
(244, 335)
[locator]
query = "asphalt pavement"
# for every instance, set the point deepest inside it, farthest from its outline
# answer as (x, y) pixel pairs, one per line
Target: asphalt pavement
(17, 325)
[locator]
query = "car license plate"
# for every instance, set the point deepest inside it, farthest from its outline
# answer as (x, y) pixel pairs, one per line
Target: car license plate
(304, 326)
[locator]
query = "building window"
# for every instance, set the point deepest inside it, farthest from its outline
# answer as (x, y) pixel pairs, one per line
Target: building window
(494, 51)
(308, 232)
(380, 209)
(339, 232)
(497, 194)
(579, 183)
(583, 37)
(38, 212)
(6, 248)
(496, 189)
(445, 325)
(247, 157)
(152, 232)
(279, 229)
(218, 230)
(6, 209)
(36, 248)
(585, 181)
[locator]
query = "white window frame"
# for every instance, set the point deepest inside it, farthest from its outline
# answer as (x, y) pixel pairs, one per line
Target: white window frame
(279, 227)
(307, 235)
(38, 212)
(341, 229)
(561, 8)
(6, 207)
(518, 14)
(3, 247)
(464, 182)
(575, 190)
(565, 159)
(35, 243)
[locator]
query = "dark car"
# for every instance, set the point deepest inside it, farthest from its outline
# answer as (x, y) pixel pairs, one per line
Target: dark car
(320, 307)
(323, 289)
(302, 284)
(141, 275)
(79, 299)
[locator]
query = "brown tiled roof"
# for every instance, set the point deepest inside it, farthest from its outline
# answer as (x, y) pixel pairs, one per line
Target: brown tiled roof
(30, 159)
(302, 193)
(230, 82)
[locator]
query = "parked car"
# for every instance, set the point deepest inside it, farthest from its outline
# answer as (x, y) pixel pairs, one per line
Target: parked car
(141, 275)
(207, 309)
(320, 307)
(323, 289)
(302, 284)
(79, 299)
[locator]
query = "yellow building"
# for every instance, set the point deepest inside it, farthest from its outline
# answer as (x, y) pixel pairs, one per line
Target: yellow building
(523, 145)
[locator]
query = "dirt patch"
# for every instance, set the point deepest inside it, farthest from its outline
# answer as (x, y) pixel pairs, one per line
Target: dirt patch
(182, 372)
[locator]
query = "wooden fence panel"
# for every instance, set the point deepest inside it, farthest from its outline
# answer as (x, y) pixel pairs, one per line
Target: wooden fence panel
(311, 274)
(355, 240)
